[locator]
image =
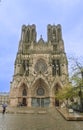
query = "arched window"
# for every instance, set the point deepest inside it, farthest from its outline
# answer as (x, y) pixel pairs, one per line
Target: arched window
(59, 34)
(33, 36)
(54, 35)
(54, 31)
(49, 35)
(27, 36)
(24, 92)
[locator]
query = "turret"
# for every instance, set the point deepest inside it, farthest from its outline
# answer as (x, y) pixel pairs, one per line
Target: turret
(28, 34)
(54, 33)
(54, 36)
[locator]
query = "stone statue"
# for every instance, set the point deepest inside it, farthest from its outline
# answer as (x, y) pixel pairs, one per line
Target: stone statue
(26, 67)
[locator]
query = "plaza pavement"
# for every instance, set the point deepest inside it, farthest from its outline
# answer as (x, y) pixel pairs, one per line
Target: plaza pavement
(36, 119)
(66, 113)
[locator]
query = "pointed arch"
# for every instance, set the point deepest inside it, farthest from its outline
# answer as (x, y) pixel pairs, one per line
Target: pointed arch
(33, 36)
(55, 87)
(54, 34)
(54, 31)
(40, 88)
(57, 81)
(23, 81)
(23, 89)
(24, 92)
(27, 35)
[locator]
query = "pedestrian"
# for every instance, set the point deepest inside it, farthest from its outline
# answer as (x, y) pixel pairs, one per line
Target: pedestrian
(4, 108)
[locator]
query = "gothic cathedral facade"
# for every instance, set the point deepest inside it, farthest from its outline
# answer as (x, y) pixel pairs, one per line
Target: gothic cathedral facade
(40, 68)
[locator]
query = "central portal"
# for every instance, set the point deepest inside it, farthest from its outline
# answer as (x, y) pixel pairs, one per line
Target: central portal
(40, 94)
(40, 102)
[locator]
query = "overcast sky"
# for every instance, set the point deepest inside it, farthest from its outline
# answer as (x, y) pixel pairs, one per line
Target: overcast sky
(15, 13)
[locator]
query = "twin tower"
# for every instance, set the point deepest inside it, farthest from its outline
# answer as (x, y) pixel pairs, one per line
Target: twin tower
(40, 69)
(29, 33)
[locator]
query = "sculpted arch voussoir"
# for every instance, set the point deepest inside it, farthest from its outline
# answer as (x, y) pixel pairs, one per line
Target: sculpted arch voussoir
(40, 77)
(57, 82)
(21, 84)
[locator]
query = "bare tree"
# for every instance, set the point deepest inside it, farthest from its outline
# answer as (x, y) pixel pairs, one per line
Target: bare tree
(77, 77)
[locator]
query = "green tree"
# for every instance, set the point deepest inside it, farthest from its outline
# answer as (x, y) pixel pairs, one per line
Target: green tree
(67, 92)
(73, 89)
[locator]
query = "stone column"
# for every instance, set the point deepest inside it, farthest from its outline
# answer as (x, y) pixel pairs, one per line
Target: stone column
(29, 102)
(51, 102)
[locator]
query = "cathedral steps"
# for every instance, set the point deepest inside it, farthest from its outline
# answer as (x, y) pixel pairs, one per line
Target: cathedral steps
(25, 110)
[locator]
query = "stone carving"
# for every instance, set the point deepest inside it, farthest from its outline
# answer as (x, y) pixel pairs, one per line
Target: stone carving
(56, 67)
(26, 67)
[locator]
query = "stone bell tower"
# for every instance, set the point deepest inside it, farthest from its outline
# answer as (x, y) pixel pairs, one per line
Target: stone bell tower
(40, 68)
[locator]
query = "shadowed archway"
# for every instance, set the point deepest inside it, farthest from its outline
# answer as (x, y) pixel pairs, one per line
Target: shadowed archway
(23, 91)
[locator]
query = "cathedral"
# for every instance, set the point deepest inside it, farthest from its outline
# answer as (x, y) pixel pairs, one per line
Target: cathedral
(40, 68)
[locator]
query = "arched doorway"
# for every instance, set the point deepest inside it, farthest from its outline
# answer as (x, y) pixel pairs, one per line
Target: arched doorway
(24, 99)
(24, 92)
(40, 96)
(22, 95)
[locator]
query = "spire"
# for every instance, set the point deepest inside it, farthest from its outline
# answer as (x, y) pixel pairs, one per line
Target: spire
(41, 39)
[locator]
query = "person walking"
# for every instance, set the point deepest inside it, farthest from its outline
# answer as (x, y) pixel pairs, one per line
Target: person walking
(4, 108)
